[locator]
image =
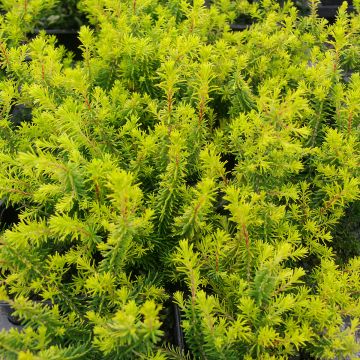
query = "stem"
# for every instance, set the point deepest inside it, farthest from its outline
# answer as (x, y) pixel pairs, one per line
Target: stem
(350, 119)
(329, 203)
(336, 60)
(97, 192)
(192, 26)
(247, 243)
(201, 109)
(87, 102)
(246, 235)
(16, 191)
(4, 53)
(170, 101)
(217, 260)
(313, 138)
(88, 63)
(193, 289)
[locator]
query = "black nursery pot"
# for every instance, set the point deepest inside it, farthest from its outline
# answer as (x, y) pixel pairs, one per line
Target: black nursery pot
(7, 320)
(171, 320)
(329, 9)
(8, 215)
(20, 112)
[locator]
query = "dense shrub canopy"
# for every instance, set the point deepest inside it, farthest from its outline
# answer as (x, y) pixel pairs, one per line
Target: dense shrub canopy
(181, 161)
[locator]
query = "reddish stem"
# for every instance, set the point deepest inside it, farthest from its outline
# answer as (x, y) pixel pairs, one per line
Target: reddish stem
(97, 191)
(201, 110)
(87, 103)
(246, 235)
(350, 119)
(217, 260)
(169, 103)
(192, 26)
(329, 203)
(336, 60)
(5, 53)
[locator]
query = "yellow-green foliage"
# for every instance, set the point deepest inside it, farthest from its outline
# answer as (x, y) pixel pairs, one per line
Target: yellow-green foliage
(178, 154)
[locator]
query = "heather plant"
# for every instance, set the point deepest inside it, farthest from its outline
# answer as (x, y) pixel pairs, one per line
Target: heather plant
(181, 160)
(19, 18)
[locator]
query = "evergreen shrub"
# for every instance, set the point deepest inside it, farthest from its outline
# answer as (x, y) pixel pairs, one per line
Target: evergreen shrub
(181, 160)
